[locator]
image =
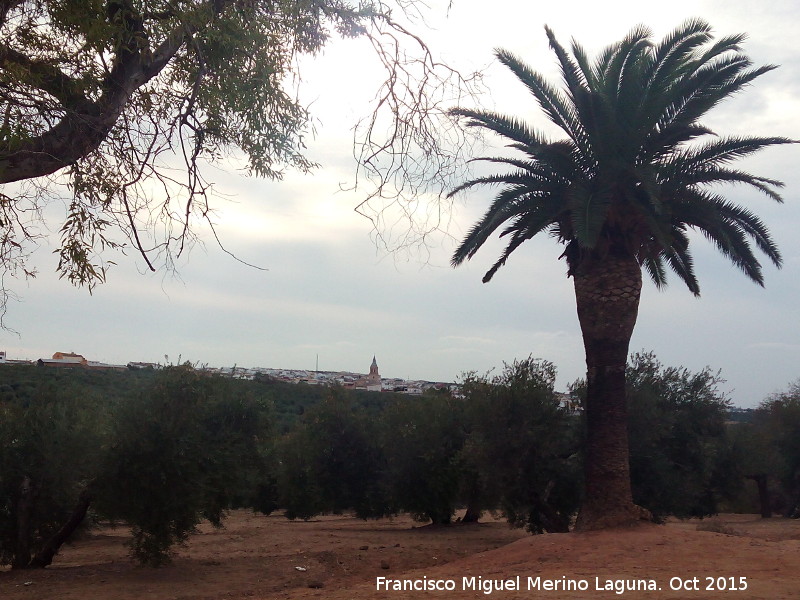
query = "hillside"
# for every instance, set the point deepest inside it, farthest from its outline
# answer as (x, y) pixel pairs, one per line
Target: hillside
(289, 400)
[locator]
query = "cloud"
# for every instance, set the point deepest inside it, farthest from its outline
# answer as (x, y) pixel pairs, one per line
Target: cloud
(467, 341)
(781, 346)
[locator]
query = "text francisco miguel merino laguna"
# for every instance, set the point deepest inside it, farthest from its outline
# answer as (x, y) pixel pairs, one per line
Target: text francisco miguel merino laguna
(513, 584)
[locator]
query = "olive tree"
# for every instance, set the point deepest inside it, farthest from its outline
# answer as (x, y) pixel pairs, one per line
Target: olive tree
(423, 437)
(52, 435)
(183, 452)
(333, 461)
(776, 429)
(159, 454)
(523, 446)
(682, 459)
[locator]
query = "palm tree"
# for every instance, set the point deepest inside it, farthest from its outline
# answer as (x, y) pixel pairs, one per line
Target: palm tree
(634, 175)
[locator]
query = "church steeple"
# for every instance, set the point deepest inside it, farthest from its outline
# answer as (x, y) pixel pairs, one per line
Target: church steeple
(373, 371)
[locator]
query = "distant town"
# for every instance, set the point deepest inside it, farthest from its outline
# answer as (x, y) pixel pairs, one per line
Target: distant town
(371, 381)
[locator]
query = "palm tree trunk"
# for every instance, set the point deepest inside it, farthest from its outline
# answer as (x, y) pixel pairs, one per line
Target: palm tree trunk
(607, 292)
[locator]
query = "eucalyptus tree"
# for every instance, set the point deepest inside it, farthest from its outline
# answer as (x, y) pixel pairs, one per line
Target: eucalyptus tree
(125, 102)
(635, 174)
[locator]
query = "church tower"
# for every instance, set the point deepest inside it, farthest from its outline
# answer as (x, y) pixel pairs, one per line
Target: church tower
(374, 376)
(372, 382)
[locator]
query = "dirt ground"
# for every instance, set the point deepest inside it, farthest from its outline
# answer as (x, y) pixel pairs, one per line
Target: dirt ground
(336, 557)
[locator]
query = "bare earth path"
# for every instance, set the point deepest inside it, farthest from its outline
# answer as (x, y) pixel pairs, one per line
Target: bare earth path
(341, 558)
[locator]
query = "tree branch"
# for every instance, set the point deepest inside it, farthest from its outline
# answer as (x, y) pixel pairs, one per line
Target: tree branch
(87, 124)
(6, 6)
(44, 76)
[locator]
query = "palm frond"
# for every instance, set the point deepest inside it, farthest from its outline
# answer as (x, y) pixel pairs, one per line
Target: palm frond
(708, 86)
(513, 179)
(728, 227)
(654, 265)
(729, 43)
(712, 174)
(588, 211)
(534, 168)
(680, 260)
(507, 204)
(694, 90)
(523, 229)
(505, 126)
(667, 65)
(577, 81)
(587, 72)
(671, 53)
(752, 226)
(724, 150)
(733, 244)
(632, 80)
(570, 71)
(664, 140)
(626, 51)
(552, 102)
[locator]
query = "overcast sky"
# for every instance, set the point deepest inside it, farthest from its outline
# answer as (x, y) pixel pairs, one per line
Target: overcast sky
(331, 292)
